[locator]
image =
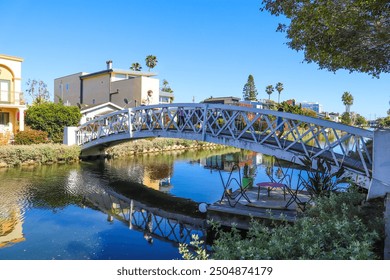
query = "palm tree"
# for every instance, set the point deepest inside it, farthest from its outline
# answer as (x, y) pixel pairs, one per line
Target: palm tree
(151, 61)
(136, 66)
(279, 88)
(269, 90)
(347, 99)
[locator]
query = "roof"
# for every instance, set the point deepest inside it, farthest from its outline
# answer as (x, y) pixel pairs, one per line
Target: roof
(119, 71)
(87, 108)
(9, 57)
(166, 94)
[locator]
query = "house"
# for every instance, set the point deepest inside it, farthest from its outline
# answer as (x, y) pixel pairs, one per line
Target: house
(12, 105)
(229, 100)
(90, 112)
(315, 106)
(166, 97)
(109, 85)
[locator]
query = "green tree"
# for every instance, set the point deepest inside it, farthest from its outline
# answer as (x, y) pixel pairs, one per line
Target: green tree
(269, 90)
(151, 61)
(279, 88)
(136, 66)
(360, 120)
(250, 92)
(166, 87)
(52, 118)
(38, 91)
(346, 118)
(343, 34)
(347, 99)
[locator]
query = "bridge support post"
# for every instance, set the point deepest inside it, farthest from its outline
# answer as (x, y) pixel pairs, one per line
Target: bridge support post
(380, 183)
(70, 135)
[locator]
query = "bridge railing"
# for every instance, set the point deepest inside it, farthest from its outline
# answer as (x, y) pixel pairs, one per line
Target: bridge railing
(312, 137)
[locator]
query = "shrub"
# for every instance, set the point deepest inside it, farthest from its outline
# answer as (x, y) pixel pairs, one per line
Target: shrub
(335, 228)
(14, 155)
(31, 136)
(52, 118)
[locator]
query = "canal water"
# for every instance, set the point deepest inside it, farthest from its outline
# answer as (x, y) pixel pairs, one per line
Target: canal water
(135, 208)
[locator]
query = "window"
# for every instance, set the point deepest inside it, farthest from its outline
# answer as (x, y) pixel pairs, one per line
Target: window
(4, 91)
(4, 118)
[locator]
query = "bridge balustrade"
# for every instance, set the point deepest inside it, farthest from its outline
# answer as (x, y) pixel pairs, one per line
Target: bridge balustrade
(276, 133)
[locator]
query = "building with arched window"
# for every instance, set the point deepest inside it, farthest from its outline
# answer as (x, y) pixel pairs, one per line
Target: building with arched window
(12, 105)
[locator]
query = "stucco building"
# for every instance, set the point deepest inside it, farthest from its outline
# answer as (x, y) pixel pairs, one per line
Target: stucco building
(12, 105)
(109, 85)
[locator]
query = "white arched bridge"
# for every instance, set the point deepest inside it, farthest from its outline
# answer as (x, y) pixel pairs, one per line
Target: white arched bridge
(242, 127)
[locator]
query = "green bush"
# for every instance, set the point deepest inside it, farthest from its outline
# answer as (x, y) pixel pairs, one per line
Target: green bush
(14, 155)
(31, 136)
(337, 228)
(52, 118)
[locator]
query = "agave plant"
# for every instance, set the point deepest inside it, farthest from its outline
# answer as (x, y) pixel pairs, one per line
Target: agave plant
(321, 180)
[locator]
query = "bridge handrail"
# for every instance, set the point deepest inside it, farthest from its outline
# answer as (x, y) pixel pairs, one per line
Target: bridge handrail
(239, 126)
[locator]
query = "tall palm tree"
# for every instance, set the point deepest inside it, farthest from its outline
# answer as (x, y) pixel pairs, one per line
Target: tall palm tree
(136, 66)
(269, 90)
(279, 88)
(347, 99)
(151, 61)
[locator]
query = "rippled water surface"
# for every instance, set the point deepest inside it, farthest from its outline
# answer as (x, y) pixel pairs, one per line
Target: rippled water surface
(136, 208)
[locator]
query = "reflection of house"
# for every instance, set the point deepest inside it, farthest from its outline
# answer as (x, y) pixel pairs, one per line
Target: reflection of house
(11, 97)
(90, 112)
(11, 230)
(110, 85)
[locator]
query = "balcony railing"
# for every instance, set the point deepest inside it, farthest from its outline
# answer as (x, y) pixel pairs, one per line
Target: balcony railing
(13, 97)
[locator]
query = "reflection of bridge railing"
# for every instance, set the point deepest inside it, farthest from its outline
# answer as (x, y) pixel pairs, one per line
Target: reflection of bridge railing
(242, 127)
(153, 222)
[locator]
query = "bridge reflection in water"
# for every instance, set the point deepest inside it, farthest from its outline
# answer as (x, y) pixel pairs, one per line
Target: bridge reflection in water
(152, 221)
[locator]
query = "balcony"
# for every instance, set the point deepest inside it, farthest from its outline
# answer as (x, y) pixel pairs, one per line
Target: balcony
(12, 98)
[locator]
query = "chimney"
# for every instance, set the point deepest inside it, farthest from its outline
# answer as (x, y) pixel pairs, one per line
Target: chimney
(109, 64)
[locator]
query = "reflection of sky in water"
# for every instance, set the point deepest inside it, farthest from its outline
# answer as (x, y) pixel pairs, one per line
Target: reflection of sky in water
(77, 233)
(56, 225)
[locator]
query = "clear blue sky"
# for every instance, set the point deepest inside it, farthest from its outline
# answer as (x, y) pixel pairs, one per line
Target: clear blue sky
(204, 48)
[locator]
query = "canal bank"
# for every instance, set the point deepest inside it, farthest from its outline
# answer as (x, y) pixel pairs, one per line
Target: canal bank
(47, 154)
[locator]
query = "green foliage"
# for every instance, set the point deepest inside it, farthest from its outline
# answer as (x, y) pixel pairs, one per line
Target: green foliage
(249, 91)
(342, 34)
(52, 118)
(136, 66)
(336, 228)
(346, 118)
(279, 88)
(151, 61)
(294, 109)
(321, 180)
(31, 136)
(269, 90)
(384, 122)
(360, 120)
(199, 253)
(38, 154)
(347, 99)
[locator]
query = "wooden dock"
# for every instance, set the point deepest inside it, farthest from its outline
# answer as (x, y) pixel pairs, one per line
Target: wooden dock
(269, 207)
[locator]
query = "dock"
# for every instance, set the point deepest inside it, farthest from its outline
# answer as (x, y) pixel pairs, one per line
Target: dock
(264, 205)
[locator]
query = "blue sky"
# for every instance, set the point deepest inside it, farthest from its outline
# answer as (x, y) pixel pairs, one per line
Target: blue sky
(204, 48)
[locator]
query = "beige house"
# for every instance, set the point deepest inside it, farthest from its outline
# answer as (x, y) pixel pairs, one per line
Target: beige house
(109, 85)
(12, 105)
